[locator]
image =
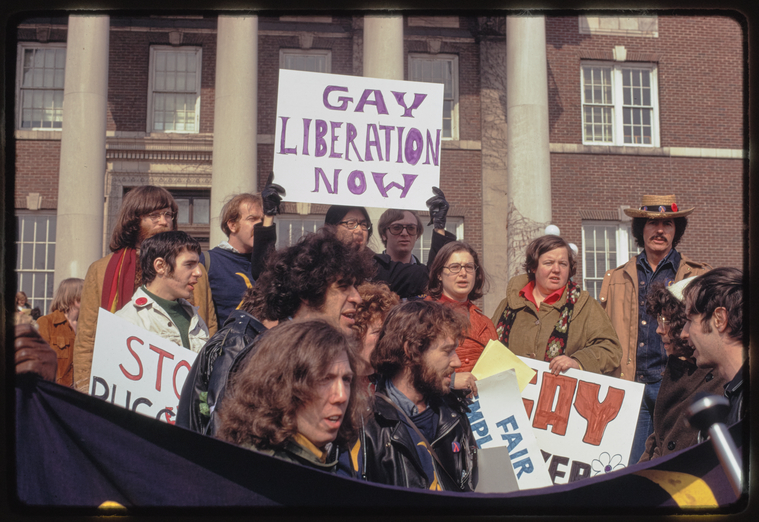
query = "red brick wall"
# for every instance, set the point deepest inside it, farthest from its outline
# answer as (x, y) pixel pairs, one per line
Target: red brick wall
(602, 182)
(37, 165)
(700, 74)
(129, 70)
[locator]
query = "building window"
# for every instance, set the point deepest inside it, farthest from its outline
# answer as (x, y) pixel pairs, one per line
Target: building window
(194, 213)
(455, 225)
(440, 69)
(291, 228)
(433, 21)
(40, 78)
(174, 96)
(605, 245)
(609, 91)
(642, 26)
(35, 257)
(311, 60)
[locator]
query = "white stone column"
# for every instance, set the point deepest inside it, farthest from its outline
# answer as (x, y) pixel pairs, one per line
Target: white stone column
(494, 167)
(529, 164)
(383, 58)
(235, 124)
(81, 179)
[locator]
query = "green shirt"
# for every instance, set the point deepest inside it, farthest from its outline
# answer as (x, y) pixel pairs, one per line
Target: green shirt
(177, 313)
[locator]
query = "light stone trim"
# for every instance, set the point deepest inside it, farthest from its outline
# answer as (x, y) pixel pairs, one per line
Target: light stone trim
(686, 152)
(52, 134)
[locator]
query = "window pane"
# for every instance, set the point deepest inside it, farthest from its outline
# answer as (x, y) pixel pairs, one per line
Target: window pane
(183, 212)
(201, 211)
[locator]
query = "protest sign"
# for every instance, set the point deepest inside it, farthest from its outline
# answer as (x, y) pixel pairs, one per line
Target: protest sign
(498, 419)
(137, 369)
(351, 140)
(496, 358)
(584, 422)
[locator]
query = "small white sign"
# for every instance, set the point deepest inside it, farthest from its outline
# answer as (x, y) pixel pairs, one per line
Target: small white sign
(352, 140)
(498, 418)
(136, 369)
(583, 421)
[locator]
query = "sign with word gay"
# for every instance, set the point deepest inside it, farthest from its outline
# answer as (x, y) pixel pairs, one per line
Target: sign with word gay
(136, 369)
(351, 140)
(498, 419)
(584, 422)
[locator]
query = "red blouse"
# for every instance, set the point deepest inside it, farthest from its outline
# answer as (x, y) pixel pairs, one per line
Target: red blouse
(481, 330)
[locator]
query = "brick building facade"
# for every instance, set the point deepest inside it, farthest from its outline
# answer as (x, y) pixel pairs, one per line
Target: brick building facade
(696, 66)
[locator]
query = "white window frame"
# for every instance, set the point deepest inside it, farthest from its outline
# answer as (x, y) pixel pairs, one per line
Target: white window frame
(23, 46)
(28, 275)
(625, 249)
(617, 105)
(291, 227)
(151, 87)
(283, 53)
(454, 59)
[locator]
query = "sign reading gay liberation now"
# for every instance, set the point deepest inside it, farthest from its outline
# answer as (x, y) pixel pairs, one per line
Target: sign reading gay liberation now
(350, 140)
(498, 419)
(136, 369)
(584, 422)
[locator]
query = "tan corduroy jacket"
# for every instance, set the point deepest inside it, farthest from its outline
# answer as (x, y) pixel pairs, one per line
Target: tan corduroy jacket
(88, 317)
(619, 297)
(591, 339)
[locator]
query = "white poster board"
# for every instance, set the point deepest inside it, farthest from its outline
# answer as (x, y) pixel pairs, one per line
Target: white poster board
(498, 419)
(584, 422)
(351, 140)
(137, 369)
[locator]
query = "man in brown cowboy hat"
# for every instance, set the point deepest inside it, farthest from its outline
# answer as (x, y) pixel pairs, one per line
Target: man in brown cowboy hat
(658, 225)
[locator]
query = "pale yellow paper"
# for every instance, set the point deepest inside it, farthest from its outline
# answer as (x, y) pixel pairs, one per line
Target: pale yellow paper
(496, 358)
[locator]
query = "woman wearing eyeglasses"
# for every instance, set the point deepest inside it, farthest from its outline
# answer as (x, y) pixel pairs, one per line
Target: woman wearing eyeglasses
(548, 317)
(457, 279)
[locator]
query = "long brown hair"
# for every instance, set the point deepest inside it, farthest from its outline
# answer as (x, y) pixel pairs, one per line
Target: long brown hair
(68, 293)
(280, 378)
(137, 203)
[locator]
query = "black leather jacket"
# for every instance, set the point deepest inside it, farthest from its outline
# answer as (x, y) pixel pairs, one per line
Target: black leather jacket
(389, 455)
(204, 386)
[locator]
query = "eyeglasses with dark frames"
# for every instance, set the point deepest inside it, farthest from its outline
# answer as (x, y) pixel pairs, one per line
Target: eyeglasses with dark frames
(396, 229)
(352, 224)
(455, 268)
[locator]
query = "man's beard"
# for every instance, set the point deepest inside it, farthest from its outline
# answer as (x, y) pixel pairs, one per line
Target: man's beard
(427, 382)
(145, 234)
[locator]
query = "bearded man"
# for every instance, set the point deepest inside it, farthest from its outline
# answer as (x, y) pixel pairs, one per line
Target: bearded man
(415, 357)
(111, 281)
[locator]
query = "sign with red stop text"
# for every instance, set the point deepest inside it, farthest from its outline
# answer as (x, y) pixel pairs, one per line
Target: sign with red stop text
(137, 369)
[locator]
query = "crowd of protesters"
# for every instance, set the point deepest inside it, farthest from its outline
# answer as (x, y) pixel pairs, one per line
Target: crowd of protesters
(329, 355)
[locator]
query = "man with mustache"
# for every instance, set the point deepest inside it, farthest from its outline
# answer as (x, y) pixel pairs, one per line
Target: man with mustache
(170, 268)
(658, 226)
(419, 434)
(111, 281)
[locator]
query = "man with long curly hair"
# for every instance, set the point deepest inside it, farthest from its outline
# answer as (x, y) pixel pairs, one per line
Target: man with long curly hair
(314, 279)
(681, 379)
(297, 399)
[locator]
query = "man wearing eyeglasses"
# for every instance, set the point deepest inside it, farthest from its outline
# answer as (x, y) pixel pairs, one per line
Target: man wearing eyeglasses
(111, 281)
(399, 231)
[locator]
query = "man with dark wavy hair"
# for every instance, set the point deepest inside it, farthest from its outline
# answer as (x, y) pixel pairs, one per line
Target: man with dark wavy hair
(658, 226)
(111, 281)
(714, 327)
(419, 435)
(314, 279)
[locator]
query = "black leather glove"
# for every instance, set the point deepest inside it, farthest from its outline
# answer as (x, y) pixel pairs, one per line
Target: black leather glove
(438, 208)
(272, 196)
